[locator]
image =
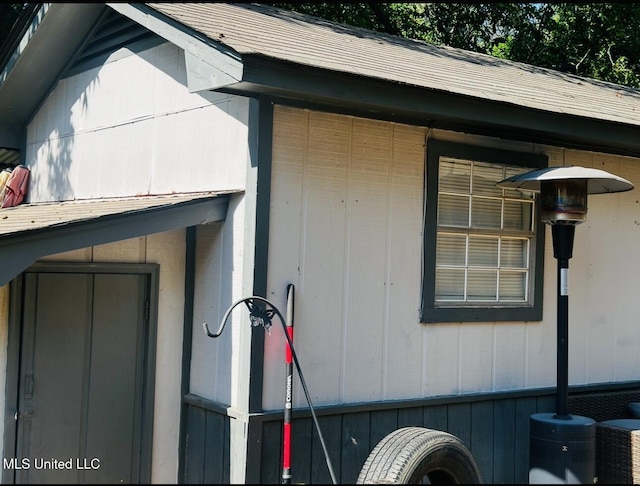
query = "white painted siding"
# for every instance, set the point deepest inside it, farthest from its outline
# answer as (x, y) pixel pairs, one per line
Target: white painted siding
(216, 363)
(131, 127)
(219, 367)
(604, 308)
(346, 229)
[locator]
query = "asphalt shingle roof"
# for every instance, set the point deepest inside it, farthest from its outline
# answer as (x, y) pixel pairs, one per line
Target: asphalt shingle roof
(253, 29)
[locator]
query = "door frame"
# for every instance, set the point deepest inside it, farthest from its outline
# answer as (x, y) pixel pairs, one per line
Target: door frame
(14, 338)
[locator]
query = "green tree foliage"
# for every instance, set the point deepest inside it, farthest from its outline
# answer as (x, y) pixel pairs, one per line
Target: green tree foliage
(10, 22)
(596, 40)
(9, 13)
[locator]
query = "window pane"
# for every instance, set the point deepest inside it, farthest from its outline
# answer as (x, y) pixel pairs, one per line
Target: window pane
(516, 193)
(518, 215)
(451, 250)
(482, 285)
(513, 286)
(485, 178)
(454, 176)
(485, 213)
(449, 284)
(513, 253)
(483, 252)
(453, 210)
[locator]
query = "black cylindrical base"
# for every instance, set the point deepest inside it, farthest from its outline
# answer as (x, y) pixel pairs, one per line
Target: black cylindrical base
(562, 451)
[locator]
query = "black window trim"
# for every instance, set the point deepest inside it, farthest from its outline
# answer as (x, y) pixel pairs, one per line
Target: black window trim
(430, 313)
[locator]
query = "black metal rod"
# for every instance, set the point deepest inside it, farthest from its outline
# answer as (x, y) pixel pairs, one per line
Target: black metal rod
(303, 383)
(562, 366)
(562, 251)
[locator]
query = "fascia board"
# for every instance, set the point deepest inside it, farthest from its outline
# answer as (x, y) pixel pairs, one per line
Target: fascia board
(20, 249)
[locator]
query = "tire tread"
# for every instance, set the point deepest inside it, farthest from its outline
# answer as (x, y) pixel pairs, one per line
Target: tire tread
(408, 452)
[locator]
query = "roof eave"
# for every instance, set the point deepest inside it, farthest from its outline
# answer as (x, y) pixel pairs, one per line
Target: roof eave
(359, 95)
(36, 64)
(20, 249)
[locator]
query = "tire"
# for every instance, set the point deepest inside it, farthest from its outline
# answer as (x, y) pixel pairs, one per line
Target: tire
(415, 455)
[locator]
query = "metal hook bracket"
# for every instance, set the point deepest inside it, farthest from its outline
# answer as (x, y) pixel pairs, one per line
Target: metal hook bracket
(258, 315)
(262, 316)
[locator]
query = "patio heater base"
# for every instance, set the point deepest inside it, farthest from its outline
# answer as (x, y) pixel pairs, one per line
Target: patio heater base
(562, 450)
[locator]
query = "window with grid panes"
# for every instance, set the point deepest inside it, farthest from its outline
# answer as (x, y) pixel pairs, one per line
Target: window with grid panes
(483, 245)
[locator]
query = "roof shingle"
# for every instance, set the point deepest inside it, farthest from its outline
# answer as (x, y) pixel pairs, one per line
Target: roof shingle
(252, 29)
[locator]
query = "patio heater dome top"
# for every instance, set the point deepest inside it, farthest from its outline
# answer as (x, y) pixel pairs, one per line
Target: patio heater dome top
(598, 181)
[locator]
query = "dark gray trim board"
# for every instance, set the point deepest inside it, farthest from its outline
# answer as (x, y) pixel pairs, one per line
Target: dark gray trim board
(380, 99)
(260, 146)
(187, 337)
(16, 290)
(467, 313)
(153, 270)
(321, 410)
(19, 250)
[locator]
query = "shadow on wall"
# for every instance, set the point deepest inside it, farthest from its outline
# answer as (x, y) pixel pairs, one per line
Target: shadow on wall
(68, 132)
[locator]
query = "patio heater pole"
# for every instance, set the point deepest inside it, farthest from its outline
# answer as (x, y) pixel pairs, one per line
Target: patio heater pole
(562, 446)
(562, 251)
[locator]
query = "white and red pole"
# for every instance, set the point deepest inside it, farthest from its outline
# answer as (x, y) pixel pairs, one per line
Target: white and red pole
(286, 438)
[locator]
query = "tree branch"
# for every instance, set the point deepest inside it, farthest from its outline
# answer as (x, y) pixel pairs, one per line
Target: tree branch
(383, 18)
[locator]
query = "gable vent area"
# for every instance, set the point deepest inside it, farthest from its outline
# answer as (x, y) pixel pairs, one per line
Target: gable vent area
(113, 32)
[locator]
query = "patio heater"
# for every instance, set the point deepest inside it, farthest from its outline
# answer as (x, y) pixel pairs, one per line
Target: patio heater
(562, 446)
